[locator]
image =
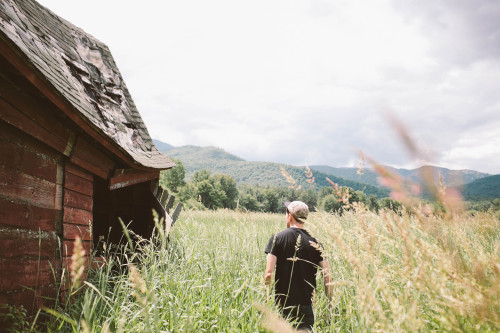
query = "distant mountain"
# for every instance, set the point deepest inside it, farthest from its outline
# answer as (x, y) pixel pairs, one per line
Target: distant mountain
(474, 184)
(162, 146)
(219, 161)
(201, 155)
(368, 177)
(484, 188)
(451, 178)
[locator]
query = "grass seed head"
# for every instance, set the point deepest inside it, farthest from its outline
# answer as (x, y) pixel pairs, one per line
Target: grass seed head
(77, 266)
(138, 285)
(288, 177)
(84, 328)
(273, 322)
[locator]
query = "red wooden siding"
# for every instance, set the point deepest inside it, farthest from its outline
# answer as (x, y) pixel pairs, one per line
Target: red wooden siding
(77, 207)
(77, 216)
(46, 189)
(22, 110)
(91, 158)
(34, 139)
(28, 218)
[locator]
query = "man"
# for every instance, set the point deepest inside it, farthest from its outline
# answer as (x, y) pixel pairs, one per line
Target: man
(296, 256)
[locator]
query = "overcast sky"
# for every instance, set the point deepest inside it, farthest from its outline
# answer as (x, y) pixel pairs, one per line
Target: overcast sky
(309, 82)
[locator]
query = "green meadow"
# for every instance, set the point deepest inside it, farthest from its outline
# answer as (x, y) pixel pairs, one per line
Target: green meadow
(409, 272)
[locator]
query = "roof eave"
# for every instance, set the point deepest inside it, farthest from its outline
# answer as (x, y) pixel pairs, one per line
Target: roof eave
(11, 52)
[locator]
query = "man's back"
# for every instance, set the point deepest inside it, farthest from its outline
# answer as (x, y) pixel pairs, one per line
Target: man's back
(298, 257)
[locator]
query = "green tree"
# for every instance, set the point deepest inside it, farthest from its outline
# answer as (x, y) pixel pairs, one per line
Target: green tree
(228, 185)
(212, 196)
(249, 202)
(391, 204)
(324, 191)
(373, 204)
(271, 201)
(310, 198)
(200, 176)
(331, 204)
(173, 178)
(187, 192)
(357, 196)
(496, 204)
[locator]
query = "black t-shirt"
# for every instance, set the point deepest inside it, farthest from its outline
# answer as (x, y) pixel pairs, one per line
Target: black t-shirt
(296, 266)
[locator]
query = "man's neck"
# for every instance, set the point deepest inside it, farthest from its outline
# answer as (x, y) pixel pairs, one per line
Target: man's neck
(296, 225)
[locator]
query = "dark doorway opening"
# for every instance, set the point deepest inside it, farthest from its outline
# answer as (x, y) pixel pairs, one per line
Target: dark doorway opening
(133, 204)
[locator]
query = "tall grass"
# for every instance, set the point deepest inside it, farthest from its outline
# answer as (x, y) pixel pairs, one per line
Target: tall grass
(411, 272)
(207, 278)
(408, 272)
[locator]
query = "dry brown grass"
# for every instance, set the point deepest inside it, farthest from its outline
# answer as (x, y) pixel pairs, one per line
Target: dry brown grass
(414, 271)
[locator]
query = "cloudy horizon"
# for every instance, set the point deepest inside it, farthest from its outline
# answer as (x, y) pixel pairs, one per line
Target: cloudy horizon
(310, 82)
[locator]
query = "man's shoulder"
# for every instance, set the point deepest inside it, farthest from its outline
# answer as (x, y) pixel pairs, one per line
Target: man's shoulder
(294, 232)
(307, 233)
(288, 235)
(286, 232)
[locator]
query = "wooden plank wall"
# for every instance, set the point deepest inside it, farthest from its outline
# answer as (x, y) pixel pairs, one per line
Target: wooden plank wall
(77, 207)
(33, 140)
(45, 198)
(28, 218)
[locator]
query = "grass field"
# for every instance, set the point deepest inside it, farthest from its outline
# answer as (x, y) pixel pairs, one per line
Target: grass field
(391, 272)
(207, 278)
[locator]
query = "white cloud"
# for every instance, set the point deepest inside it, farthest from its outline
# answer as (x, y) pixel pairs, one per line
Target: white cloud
(478, 150)
(255, 77)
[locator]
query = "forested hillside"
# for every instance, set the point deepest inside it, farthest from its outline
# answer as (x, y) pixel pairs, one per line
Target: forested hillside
(368, 177)
(451, 178)
(484, 188)
(479, 185)
(218, 161)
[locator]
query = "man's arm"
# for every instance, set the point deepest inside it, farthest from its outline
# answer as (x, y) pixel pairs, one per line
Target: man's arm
(327, 279)
(271, 263)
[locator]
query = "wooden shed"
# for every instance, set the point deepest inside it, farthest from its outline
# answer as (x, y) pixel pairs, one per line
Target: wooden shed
(74, 152)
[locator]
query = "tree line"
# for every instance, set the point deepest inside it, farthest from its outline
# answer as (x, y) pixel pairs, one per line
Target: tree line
(207, 191)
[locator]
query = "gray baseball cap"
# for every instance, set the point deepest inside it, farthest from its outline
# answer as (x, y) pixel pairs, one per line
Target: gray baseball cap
(298, 209)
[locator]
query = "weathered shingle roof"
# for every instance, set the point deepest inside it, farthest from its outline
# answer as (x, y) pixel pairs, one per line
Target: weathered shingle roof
(83, 71)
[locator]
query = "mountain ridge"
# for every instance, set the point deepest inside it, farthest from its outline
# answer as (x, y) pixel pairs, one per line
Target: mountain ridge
(162, 146)
(217, 160)
(451, 178)
(483, 188)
